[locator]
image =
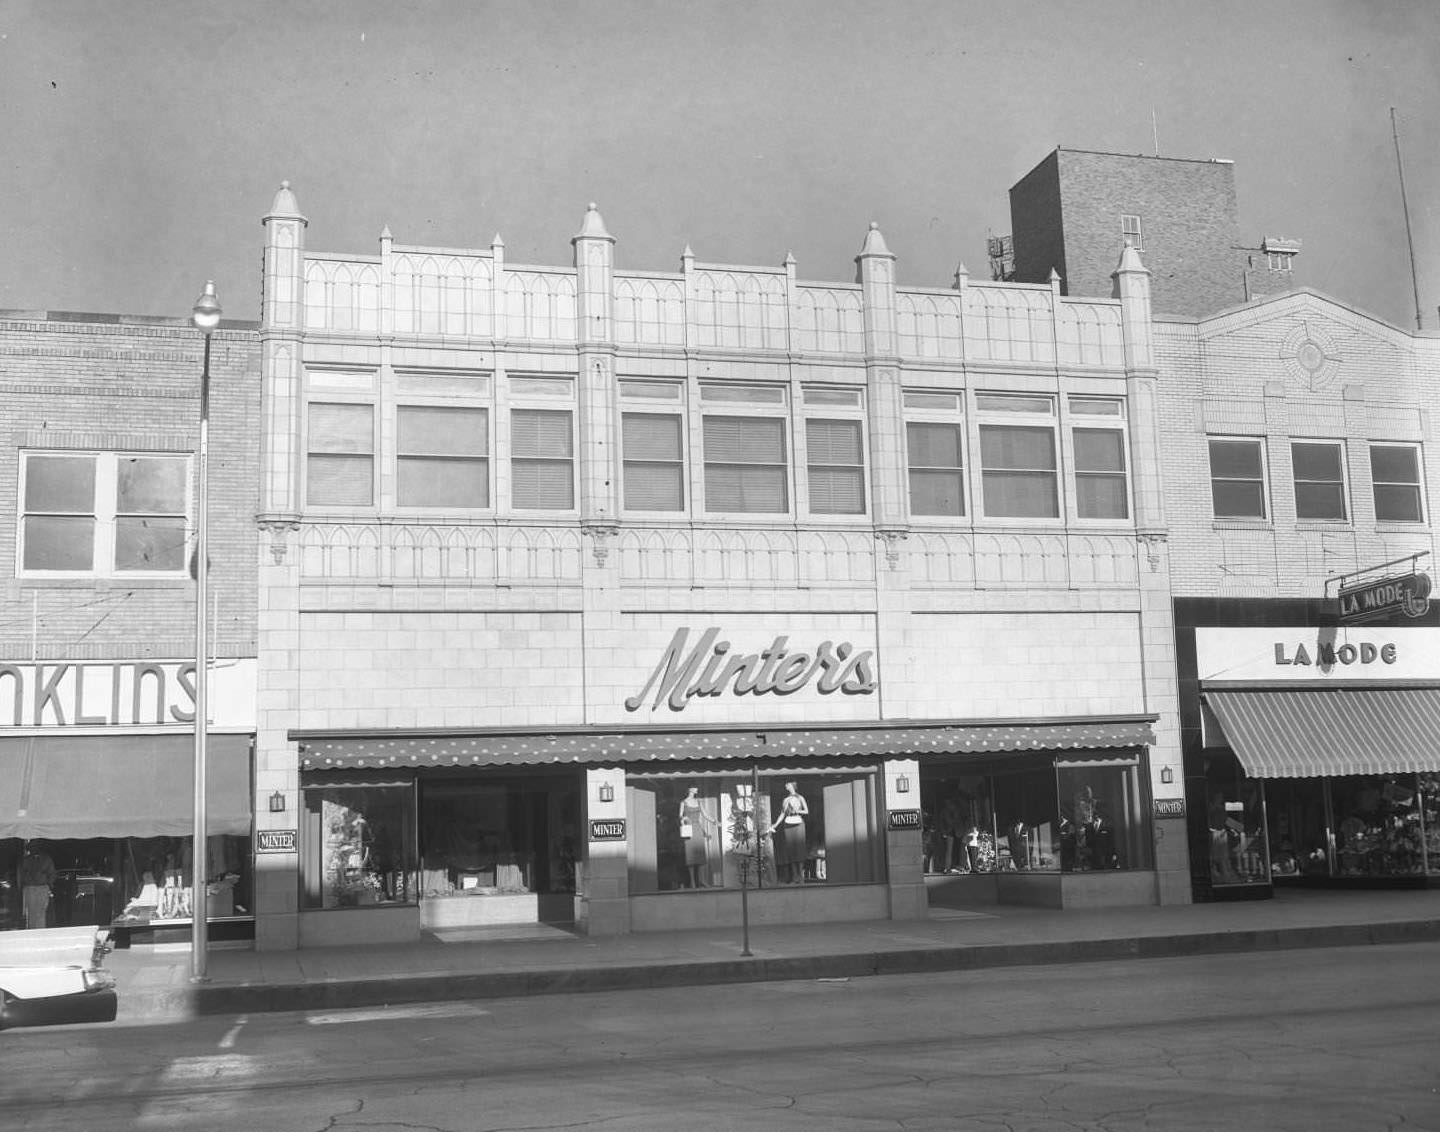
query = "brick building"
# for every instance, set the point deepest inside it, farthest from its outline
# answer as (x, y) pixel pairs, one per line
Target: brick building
(599, 595)
(1076, 210)
(97, 643)
(1299, 462)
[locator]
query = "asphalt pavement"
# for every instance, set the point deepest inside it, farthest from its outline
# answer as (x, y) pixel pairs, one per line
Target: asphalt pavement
(155, 982)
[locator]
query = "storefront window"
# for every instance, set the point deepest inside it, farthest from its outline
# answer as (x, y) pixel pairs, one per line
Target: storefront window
(1027, 826)
(129, 882)
(1234, 848)
(357, 845)
(497, 837)
(958, 818)
(728, 831)
(1102, 818)
(1430, 820)
(1299, 843)
(1377, 826)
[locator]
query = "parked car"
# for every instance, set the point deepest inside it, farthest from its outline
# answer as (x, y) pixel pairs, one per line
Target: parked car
(56, 975)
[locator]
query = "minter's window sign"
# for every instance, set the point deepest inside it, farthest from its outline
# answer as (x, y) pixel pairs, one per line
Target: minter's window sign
(713, 666)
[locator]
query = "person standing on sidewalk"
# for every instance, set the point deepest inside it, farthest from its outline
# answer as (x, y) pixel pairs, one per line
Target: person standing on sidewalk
(37, 877)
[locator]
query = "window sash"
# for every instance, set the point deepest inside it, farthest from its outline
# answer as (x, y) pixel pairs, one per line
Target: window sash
(653, 462)
(1319, 480)
(104, 514)
(745, 465)
(937, 480)
(1395, 475)
(1018, 472)
(542, 466)
(835, 462)
(1237, 479)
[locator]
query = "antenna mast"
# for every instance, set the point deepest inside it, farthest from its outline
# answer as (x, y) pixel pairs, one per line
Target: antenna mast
(1405, 206)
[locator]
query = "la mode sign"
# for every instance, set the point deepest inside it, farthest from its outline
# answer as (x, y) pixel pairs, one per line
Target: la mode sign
(710, 668)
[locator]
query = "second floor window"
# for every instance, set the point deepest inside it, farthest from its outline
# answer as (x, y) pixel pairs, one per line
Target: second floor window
(835, 463)
(654, 462)
(103, 513)
(340, 466)
(745, 464)
(937, 474)
(1395, 472)
(1319, 480)
(1237, 479)
(1130, 231)
(1100, 473)
(542, 459)
(442, 458)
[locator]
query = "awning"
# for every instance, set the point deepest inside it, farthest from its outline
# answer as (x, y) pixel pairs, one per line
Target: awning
(121, 786)
(1320, 732)
(378, 751)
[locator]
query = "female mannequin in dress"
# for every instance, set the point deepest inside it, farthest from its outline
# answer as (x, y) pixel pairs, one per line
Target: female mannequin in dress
(695, 832)
(790, 849)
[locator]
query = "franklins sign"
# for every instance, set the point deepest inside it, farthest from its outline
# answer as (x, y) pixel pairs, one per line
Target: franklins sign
(135, 693)
(712, 667)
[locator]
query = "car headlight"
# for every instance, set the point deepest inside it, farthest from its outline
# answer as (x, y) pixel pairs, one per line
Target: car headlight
(97, 978)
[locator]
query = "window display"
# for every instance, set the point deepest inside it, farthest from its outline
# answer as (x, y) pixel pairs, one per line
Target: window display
(1102, 824)
(1234, 849)
(356, 845)
(1377, 826)
(132, 882)
(1429, 791)
(498, 837)
(719, 831)
(1299, 838)
(958, 821)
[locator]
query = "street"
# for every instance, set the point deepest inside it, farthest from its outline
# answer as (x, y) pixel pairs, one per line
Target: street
(1341, 1039)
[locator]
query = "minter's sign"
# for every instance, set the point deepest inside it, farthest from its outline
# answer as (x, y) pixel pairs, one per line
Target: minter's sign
(709, 667)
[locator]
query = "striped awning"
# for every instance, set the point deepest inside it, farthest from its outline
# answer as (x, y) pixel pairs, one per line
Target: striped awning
(377, 751)
(1319, 732)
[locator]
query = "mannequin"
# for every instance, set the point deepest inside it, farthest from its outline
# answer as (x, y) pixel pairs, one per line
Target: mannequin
(695, 833)
(790, 848)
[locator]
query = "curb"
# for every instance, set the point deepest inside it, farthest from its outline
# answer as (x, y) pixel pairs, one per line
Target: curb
(181, 1003)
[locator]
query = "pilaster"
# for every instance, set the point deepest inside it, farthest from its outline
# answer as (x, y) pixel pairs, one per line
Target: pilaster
(594, 250)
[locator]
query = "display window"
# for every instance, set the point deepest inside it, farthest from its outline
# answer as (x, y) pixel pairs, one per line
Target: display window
(1299, 828)
(756, 831)
(1102, 822)
(498, 836)
(357, 844)
(1429, 797)
(1049, 816)
(1230, 846)
(1377, 826)
(132, 882)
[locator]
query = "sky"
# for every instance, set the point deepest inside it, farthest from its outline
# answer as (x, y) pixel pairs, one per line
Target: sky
(142, 142)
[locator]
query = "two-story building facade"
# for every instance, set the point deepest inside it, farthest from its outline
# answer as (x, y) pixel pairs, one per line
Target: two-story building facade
(98, 646)
(1301, 474)
(621, 597)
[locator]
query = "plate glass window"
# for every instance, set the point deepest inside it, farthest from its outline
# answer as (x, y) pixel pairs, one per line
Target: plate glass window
(1395, 472)
(340, 468)
(443, 457)
(542, 464)
(1319, 480)
(1237, 479)
(836, 467)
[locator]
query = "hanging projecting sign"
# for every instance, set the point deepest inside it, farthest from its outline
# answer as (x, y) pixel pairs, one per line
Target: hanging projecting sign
(1385, 597)
(710, 668)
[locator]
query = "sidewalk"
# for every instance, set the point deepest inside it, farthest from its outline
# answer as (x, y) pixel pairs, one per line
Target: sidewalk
(154, 982)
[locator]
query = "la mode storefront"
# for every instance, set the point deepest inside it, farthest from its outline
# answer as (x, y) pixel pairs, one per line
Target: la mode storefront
(1318, 756)
(97, 779)
(741, 760)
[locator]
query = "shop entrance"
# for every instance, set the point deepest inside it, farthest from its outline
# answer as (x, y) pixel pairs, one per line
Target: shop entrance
(497, 850)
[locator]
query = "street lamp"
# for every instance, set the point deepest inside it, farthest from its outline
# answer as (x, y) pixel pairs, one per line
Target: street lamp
(205, 314)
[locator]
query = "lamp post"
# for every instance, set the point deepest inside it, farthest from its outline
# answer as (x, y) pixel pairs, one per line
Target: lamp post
(206, 316)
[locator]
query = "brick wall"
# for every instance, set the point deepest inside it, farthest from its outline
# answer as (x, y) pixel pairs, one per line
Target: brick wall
(1188, 220)
(105, 383)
